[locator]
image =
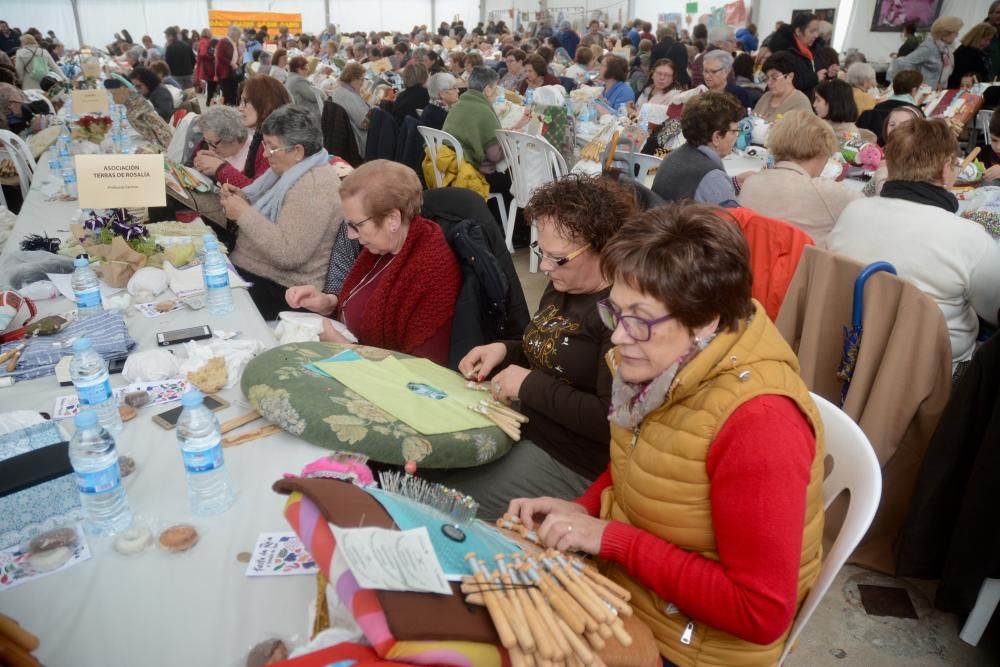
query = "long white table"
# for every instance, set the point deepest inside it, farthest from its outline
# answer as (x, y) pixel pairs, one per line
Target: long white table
(158, 608)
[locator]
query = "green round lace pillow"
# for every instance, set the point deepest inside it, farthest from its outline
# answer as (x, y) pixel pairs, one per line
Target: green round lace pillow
(324, 412)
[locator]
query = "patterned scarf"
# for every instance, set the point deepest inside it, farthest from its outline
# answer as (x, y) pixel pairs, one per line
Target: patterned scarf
(630, 403)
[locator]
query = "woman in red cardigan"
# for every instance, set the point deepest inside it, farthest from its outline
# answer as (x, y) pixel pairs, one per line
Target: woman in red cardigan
(261, 96)
(400, 293)
(205, 63)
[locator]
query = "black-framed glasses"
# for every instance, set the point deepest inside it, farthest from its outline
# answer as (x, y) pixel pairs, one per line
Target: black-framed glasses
(638, 328)
(213, 144)
(558, 261)
(355, 226)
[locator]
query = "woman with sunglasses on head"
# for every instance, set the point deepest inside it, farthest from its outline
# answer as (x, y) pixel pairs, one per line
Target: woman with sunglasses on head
(711, 510)
(288, 217)
(557, 369)
(400, 292)
(261, 96)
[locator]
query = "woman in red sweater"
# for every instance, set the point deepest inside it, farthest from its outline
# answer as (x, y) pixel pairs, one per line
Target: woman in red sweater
(711, 511)
(261, 96)
(401, 290)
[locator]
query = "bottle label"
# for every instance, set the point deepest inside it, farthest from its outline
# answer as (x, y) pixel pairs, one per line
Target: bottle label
(217, 279)
(94, 393)
(89, 298)
(205, 460)
(99, 481)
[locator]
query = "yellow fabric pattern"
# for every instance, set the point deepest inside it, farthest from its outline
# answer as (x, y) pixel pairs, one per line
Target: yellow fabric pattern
(661, 484)
(467, 177)
(387, 384)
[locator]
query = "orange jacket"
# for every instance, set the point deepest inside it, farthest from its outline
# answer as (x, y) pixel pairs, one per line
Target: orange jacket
(775, 248)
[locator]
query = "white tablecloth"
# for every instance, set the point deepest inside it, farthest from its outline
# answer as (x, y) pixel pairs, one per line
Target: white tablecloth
(194, 608)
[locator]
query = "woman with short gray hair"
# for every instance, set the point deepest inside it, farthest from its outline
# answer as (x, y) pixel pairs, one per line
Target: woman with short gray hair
(474, 123)
(288, 218)
(861, 76)
(717, 65)
(442, 88)
(226, 137)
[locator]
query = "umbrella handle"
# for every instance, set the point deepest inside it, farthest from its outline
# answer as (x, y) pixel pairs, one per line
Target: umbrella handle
(859, 288)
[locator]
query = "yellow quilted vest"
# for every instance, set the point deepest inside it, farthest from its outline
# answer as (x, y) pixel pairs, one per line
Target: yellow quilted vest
(661, 484)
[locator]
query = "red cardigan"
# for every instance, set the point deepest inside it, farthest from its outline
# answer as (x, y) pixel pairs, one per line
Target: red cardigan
(227, 173)
(205, 70)
(759, 467)
(223, 59)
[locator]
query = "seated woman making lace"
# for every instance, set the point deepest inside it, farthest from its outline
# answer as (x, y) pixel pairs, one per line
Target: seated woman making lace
(400, 293)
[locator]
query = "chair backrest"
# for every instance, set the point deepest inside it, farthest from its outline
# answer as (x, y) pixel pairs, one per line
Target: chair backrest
(855, 470)
(643, 166)
(532, 162)
(434, 140)
(8, 137)
(10, 152)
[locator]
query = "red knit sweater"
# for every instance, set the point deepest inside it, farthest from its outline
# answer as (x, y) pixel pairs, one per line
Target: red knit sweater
(758, 466)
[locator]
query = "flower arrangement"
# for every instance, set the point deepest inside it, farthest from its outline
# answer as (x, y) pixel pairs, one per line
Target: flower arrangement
(92, 127)
(120, 222)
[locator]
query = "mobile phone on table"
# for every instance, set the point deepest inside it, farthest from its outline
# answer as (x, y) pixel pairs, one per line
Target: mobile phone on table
(168, 419)
(116, 365)
(165, 338)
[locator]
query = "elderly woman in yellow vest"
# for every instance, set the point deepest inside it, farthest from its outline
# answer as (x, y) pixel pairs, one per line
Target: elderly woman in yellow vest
(711, 511)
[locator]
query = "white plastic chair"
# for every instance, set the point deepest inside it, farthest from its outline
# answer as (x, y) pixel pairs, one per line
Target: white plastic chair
(532, 162)
(8, 137)
(986, 603)
(643, 166)
(437, 138)
(9, 151)
(856, 470)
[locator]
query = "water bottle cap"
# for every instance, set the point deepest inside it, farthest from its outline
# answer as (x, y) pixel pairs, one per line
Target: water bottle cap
(192, 398)
(80, 261)
(85, 419)
(82, 344)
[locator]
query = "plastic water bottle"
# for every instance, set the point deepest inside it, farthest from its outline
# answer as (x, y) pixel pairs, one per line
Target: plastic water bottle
(86, 288)
(89, 372)
(218, 295)
(622, 110)
(529, 97)
(55, 164)
(200, 438)
(94, 459)
(501, 96)
(69, 181)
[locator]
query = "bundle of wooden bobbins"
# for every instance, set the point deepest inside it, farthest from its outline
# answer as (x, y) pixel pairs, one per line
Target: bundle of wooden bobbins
(548, 609)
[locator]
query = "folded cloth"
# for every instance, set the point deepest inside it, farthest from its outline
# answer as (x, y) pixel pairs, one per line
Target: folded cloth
(107, 333)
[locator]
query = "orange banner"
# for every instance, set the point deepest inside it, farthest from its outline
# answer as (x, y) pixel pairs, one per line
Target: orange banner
(220, 21)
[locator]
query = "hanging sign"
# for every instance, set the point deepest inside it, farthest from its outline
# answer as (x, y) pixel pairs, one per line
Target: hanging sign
(220, 21)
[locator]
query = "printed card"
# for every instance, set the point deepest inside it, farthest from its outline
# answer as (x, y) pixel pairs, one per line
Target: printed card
(163, 391)
(16, 567)
(279, 555)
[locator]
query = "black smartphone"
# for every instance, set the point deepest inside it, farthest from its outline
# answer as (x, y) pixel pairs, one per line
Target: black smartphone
(168, 419)
(165, 338)
(116, 365)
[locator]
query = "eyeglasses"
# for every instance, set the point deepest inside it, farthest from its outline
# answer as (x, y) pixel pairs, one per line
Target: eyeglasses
(638, 328)
(355, 226)
(776, 77)
(271, 151)
(213, 144)
(713, 72)
(558, 261)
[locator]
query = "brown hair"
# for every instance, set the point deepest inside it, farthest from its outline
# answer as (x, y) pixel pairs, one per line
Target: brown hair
(266, 94)
(297, 63)
(917, 150)
(384, 186)
(691, 257)
(457, 57)
(474, 60)
(978, 32)
(278, 55)
(414, 75)
(707, 114)
(801, 135)
(517, 54)
(904, 82)
(537, 63)
(351, 73)
(615, 67)
(160, 68)
(589, 209)
(584, 57)
(546, 53)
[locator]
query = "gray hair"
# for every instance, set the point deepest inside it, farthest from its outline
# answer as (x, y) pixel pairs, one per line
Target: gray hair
(481, 77)
(826, 30)
(720, 34)
(295, 125)
(264, 58)
(225, 122)
(724, 58)
(566, 25)
(234, 30)
(136, 54)
(439, 83)
(859, 74)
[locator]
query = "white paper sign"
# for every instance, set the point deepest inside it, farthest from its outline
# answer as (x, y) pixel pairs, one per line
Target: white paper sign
(120, 181)
(392, 560)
